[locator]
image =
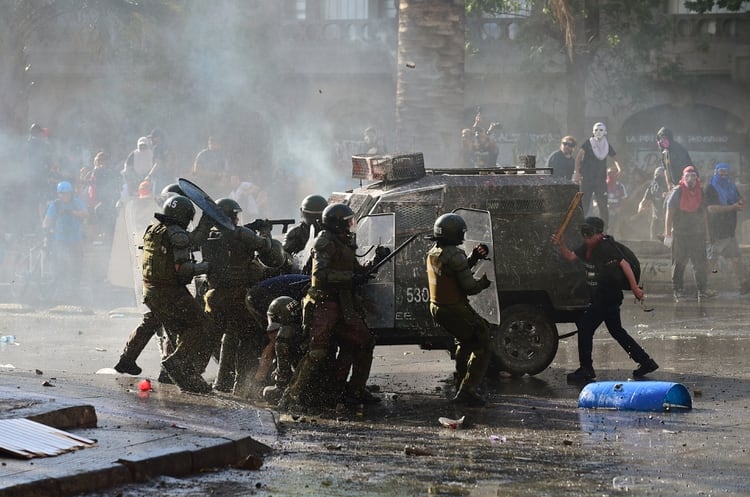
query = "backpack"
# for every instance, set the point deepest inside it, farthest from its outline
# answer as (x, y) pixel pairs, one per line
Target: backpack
(632, 259)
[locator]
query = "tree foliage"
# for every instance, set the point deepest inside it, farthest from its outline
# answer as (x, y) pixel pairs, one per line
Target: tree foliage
(702, 6)
(107, 28)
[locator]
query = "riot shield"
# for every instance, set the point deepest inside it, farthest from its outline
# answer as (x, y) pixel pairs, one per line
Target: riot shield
(205, 202)
(479, 230)
(378, 294)
(300, 258)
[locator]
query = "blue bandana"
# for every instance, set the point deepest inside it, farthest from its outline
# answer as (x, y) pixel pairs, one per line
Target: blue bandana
(725, 187)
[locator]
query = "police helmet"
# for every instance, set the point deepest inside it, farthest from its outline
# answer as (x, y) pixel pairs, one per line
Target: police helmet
(170, 190)
(283, 311)
(312, 208)
(64, 187)
(338, 218)
(229, 207)
(180, 209)
(275, 256)
(449, 229)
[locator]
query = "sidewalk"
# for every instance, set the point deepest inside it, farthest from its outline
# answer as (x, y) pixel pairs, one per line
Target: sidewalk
(139, 435)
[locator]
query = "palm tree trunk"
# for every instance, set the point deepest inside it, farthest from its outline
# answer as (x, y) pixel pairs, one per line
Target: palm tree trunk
(430, 85)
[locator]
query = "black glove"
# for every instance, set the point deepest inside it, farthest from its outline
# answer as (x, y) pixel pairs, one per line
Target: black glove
(484, 282)
(262, 226)
(361, 278)
(480, 251)
(380, 254)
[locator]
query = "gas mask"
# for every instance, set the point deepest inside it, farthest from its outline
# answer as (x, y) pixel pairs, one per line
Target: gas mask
(663, 142)
(600, 131)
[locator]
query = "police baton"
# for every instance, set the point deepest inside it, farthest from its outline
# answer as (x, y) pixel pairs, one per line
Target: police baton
(374, 269)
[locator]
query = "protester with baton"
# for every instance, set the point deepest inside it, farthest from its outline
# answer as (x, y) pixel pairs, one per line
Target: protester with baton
(603, 262)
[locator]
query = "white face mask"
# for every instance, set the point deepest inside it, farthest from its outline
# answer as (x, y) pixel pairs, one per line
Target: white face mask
(600, 131)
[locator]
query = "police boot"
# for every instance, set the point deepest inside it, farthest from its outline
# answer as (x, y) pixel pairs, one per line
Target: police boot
(469, 398)
(359, 396)
(462, 356)
(289, 401)
(304, 384)
(244, 386)
(164, 377)
(184, 376)
(127, 365)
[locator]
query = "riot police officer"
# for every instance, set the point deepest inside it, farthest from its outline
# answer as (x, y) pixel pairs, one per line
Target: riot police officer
(311, 211)
(286, 346)
(170, 190)
(332, 314)
(150, 325)
(232, 255)
(168, 267)
(451, 282)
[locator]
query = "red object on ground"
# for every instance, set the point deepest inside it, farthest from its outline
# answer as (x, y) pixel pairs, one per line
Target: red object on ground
(144, 385)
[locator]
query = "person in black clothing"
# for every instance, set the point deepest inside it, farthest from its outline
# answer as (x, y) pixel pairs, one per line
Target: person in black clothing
(674, 157)
(562, 161)
(605, 265)
(591, 170)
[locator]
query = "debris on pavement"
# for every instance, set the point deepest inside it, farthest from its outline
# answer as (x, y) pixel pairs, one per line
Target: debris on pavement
(453, 424)
(28, 439)
(414, 451)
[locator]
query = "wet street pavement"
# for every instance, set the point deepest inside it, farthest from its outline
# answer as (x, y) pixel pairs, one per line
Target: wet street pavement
(531, 440)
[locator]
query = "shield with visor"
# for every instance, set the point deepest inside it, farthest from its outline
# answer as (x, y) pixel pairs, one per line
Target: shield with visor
(378, 294)
(205, 202)
(479, 230)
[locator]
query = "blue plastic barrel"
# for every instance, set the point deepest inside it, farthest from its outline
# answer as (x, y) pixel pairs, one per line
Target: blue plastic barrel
(635, 396)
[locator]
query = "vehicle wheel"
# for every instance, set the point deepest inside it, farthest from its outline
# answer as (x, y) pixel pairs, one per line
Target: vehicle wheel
(526, 340)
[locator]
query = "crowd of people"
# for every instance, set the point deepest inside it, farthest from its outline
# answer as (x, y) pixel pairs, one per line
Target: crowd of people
(289, 327)
(697, 224)
(261, 305)
(70, 197)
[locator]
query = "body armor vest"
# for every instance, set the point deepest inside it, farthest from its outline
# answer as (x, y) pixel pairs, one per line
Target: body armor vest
(231, 261)
(444, 289)
(158, 258)
(340, 270)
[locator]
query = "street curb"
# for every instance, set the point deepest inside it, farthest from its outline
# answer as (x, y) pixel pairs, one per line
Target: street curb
(206, 451)
(124, 471)
(79, 416)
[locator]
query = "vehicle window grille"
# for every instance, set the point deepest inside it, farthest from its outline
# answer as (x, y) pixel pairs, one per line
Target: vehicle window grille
(410, 216)
(516, 205)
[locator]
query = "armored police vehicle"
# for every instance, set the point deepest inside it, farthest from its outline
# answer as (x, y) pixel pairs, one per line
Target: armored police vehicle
(513, 211)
